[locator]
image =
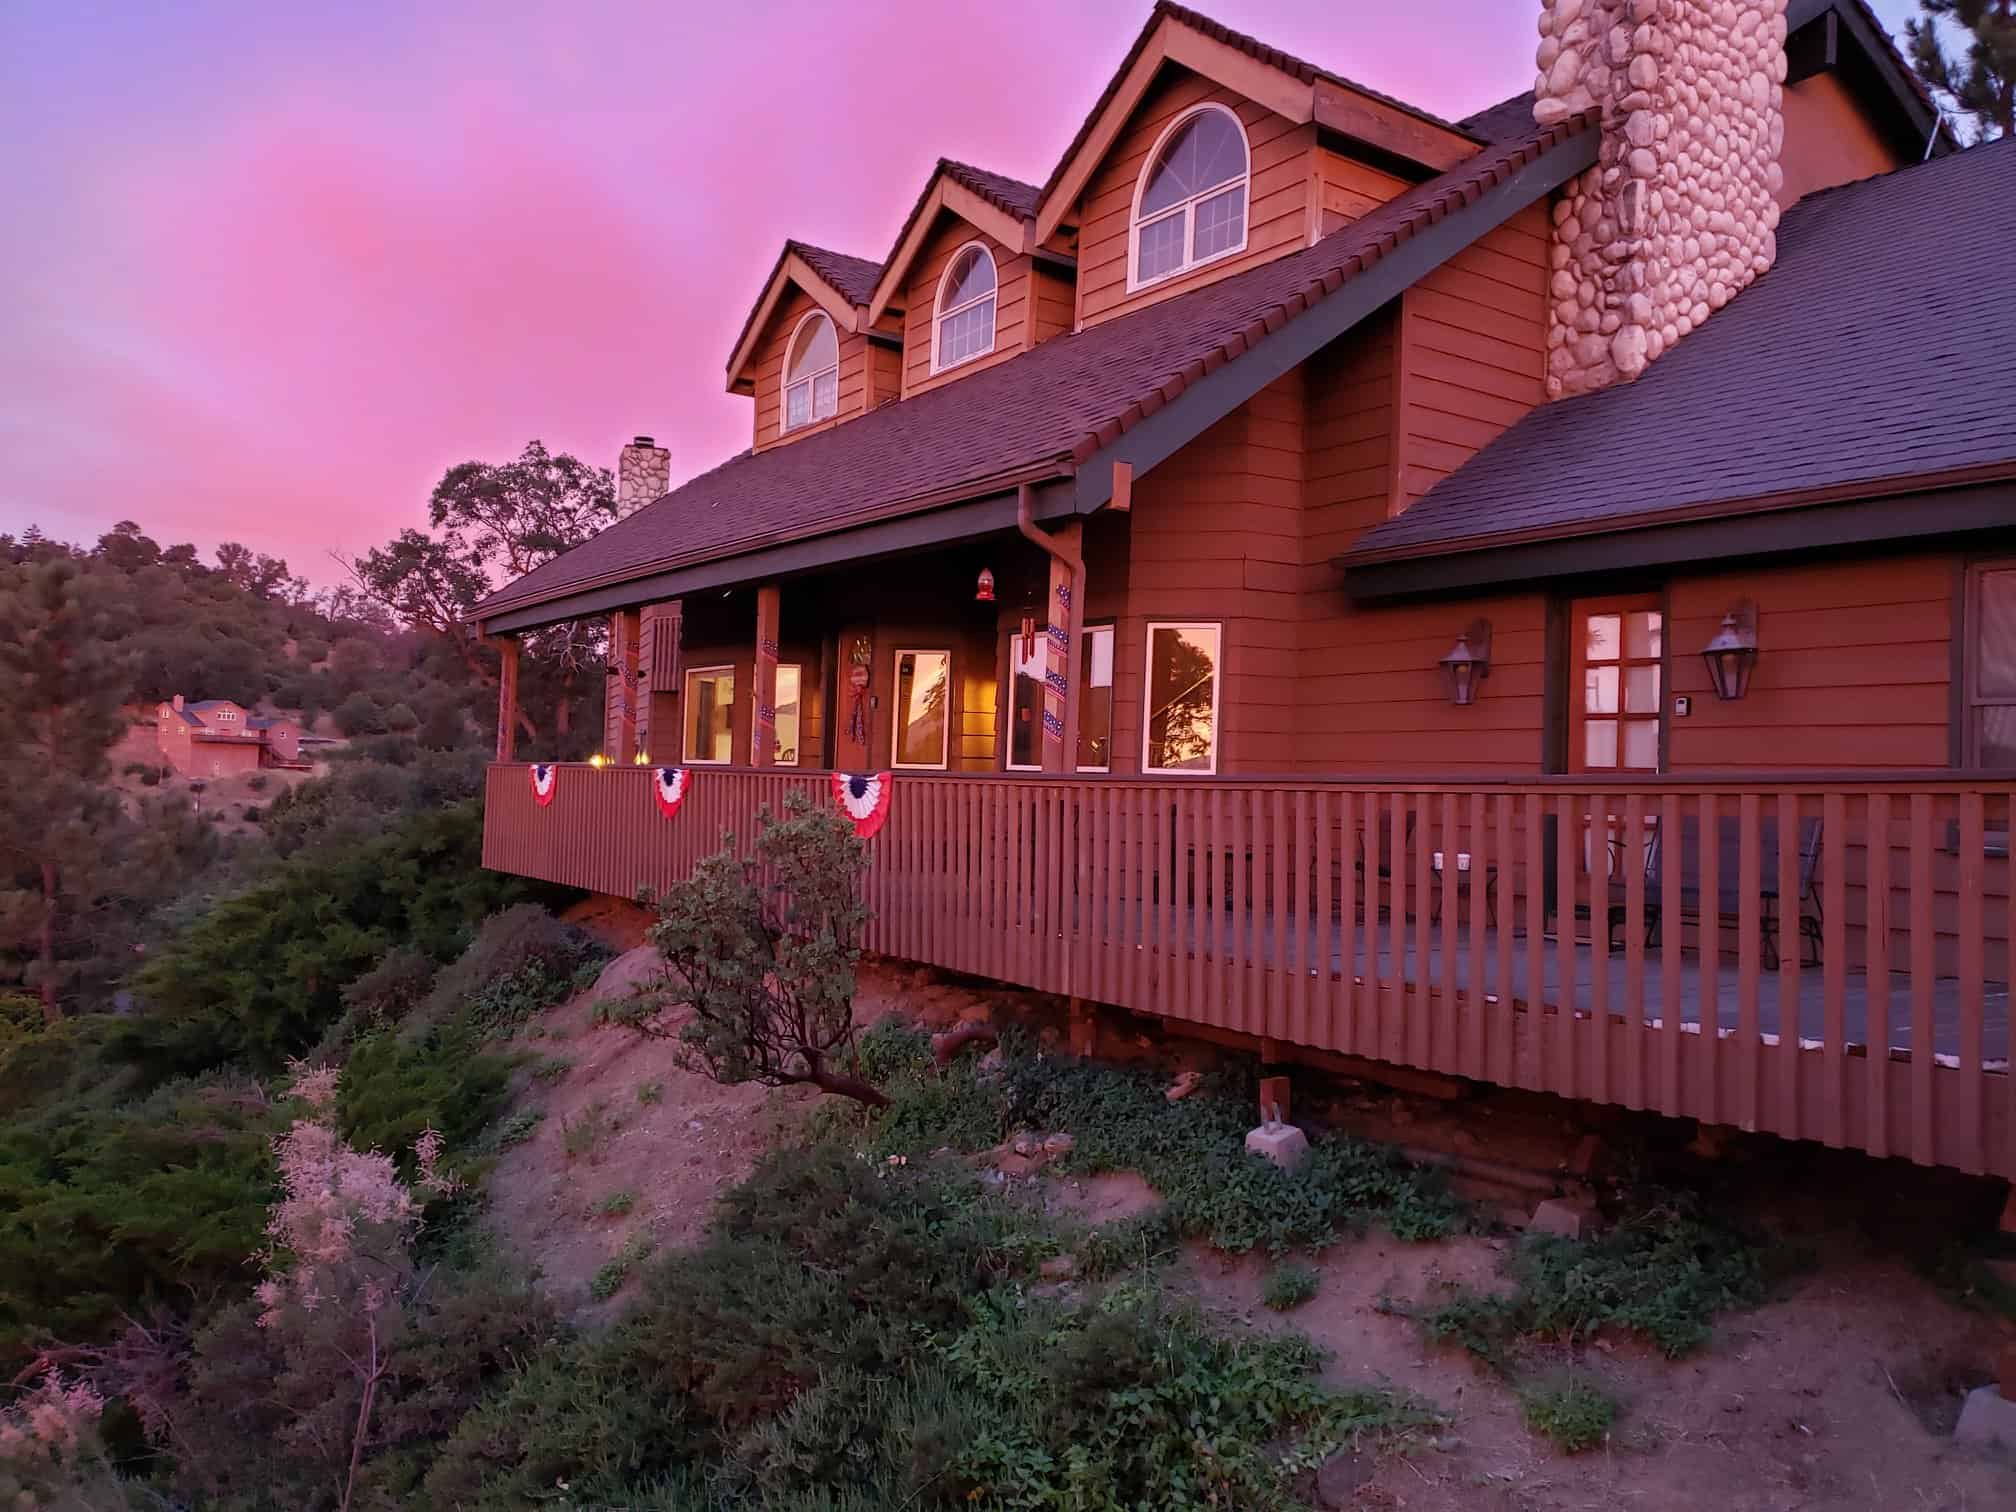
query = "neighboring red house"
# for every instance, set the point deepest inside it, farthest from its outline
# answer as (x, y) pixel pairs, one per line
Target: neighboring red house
(1532, 597)
(219, 738)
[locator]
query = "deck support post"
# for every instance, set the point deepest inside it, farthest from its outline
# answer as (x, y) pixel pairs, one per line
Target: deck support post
(620, 723)
(1084, 1028)
(507, 695)
(763, 721)
(1065, 609)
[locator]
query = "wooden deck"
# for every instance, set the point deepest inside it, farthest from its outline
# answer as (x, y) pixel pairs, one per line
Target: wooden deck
(1320, 914)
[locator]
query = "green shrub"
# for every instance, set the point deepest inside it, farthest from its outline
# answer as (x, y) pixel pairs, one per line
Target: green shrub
(1569, 1408)
(396, 1085)
(651, 1092)
(849, 1336)
(386, 994)
(151, 777)
(1663, 1272)
(1289, 1285)
(551, 1068)
(260, 975)
(609, 1278)
(616, 1204)
(518, 1128)
(359, 714)
(401, 720)
(522, 961)
(258, 782)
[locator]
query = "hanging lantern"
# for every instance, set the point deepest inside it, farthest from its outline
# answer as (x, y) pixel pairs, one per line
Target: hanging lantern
(1731, 654)
(984, 593)
(642, 758)
(598, 760)
(1468, 663)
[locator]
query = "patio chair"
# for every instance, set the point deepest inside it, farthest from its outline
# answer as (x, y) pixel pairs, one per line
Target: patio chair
(1382, 868)
(1728, 883)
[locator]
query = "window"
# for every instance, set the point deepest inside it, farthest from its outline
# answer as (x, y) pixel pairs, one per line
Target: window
(923, 708)
(1191, 206)
(790, 685)
(227, 716)
(812, 373)
(965, 319)
(1616, 687)
(1027, 673)
(1991, 666)
(1181, 730)
(710, 714)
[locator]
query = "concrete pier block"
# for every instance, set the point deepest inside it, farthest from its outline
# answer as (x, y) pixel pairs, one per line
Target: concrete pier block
(1282, 1143)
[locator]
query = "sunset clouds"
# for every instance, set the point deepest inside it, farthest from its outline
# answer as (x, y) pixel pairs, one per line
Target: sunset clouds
(269, 271)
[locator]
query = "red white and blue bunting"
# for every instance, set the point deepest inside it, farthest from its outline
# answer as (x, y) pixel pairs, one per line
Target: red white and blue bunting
(865, 798)
(670, 789)
(545, 776)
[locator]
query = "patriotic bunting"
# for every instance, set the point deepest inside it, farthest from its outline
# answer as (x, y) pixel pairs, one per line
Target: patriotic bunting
(544, 776)
(670, 790)
(865, 797)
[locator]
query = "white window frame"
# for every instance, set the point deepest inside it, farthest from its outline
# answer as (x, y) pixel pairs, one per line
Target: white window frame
(1085, 637)
(810, 380)
(940, 314)
(687, 732)
(944, 761)
(1187, 209)
(1217, 696)
(798, 745)
(1008, 761)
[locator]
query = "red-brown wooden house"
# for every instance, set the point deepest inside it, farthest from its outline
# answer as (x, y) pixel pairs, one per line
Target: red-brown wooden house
(1529, 597)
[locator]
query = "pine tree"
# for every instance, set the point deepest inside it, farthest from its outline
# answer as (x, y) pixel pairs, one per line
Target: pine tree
(61, 687)
(1980, 80)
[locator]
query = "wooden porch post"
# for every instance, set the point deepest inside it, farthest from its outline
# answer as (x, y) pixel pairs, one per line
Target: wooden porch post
(621, 726)
(763, 727)
(1060, 682)
(658, 677)
(507, 696)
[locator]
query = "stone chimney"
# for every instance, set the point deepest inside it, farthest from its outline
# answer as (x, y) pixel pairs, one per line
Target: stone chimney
(178, 703)
(643, 472)
(1680, 211)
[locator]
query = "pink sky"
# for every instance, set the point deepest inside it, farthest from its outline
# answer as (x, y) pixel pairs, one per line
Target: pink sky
(270, 271)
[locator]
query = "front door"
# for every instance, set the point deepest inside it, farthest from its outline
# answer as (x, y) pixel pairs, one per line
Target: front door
(1615, 684)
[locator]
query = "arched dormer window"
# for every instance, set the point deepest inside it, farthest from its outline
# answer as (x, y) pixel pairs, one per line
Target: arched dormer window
(1190, 207)
(963, 327)
(812, 373)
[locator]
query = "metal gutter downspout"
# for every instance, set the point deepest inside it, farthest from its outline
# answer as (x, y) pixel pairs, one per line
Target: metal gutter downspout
(1073, 564)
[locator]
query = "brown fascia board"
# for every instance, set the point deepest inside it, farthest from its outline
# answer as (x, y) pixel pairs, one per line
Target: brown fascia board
(1867, 514)
(790, 268)
(1290, 88)
(943, 192)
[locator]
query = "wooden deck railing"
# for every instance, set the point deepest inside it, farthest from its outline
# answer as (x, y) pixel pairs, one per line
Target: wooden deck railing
(1819, 958)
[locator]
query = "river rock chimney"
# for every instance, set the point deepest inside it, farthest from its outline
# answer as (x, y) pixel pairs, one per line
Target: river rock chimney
(1680, 211)
(643, 473)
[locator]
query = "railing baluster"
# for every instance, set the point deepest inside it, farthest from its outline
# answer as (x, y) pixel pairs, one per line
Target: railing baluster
(1834, 834)
(1560, 1041)
(1880, 1130)
(1924, 1039)
(1277, 907)
(1971, 1147)
(1349, 840)
(1749, 918)
(1325, 1029)
(1475, 1027)
(1592, 1053)
(1790, 1117)
(1672, 930)
(1298, 924)
(1392, 1041)
(1632, 1092)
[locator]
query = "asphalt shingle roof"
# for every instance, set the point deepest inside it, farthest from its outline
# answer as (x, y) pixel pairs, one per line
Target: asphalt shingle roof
(1878, 348)
(1059, 402)
(1506, 121)
(1008, 195)
(854, 277)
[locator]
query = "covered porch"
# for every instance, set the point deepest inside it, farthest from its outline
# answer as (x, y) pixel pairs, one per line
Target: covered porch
(1647, 942)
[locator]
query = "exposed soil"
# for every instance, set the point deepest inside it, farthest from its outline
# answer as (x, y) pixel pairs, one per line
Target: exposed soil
(640, 1125)
(1839, 1395)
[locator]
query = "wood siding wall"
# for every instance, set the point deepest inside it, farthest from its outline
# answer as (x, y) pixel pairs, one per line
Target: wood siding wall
(1829, 139)
(1855, 665)
(1012, 310)
(1276, 208)
(1216, 536)
(769, 373)
(1472, 352)
(1342, 189)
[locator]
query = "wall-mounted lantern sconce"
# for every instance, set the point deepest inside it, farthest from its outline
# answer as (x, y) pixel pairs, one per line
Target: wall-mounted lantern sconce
(984, 593)
(1028, 637)
(1731, 654)
(598, 760)
(1468, 663)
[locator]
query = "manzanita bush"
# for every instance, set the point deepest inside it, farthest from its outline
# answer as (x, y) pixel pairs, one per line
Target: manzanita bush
(764, 949)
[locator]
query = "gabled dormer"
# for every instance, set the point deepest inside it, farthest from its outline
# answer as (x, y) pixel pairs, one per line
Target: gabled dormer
(809, 353)
(968, 279)
(1211, 152)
